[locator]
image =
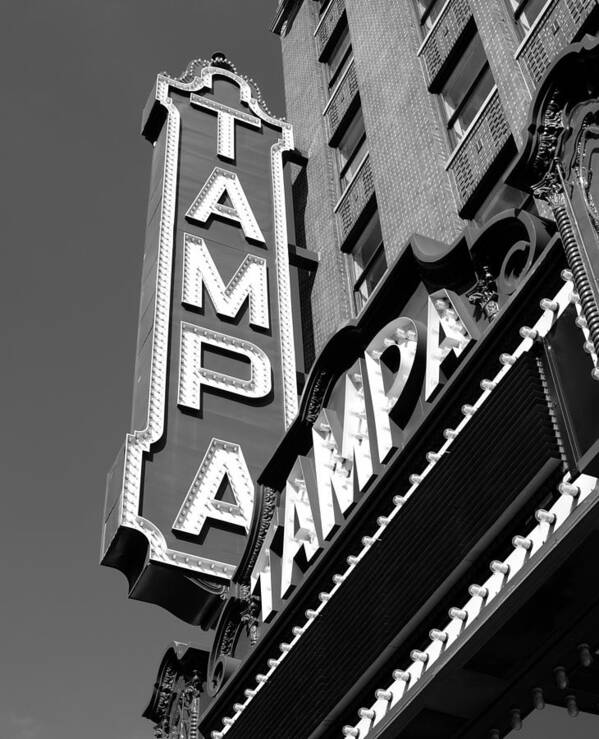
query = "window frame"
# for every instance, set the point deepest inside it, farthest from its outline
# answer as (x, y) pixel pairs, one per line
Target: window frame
(324, 4)
(343, 169)
(518, 9)
(423, 18)
(451, 119)
(352, 159)
(359, 281)
(334, 75)
(341, 68)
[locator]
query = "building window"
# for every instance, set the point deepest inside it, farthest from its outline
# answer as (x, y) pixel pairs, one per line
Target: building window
(351, 149)
(339, 58)
(466, 89)
(428, 12)
(526, 12)
(368, 261)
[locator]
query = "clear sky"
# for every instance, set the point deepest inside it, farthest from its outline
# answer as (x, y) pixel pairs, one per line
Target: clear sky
(78, 658)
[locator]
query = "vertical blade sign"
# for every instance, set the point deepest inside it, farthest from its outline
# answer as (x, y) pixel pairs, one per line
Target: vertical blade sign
(215, 381)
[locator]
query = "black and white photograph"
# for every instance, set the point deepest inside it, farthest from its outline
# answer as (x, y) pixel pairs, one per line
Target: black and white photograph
(301, 396)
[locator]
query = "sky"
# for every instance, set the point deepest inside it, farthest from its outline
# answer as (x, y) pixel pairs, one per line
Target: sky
(78, 659)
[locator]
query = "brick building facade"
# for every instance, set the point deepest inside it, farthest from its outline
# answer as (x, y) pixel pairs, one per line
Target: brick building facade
(424, 180)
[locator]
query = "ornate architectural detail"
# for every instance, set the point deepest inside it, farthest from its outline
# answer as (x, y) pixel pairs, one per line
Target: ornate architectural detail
(484, 295)
(443, 36)
(356, 197)
(284, 15)
(242, 611)
(557, 25)
(327, 25)
(250, 614)
(175, 703)
(482, 144)
(195, 67)
(228, 639)
(549, 130)
(316, 397)
(165, 692)
(341, 99)
(269, 502)
(557, 166)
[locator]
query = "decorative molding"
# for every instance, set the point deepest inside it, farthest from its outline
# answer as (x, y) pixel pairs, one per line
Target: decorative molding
(175, 701)
(557, 25)
(443, 36)
(556, 164)
(355, 198)
(484, 295)
(262, 517)
(327, 25)
(341, 99)
(482, 143)
(241, 612)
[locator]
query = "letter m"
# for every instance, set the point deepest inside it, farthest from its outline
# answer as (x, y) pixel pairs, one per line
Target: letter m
(249, 282)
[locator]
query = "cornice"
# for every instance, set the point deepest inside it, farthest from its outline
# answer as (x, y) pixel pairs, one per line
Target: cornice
(572, 78)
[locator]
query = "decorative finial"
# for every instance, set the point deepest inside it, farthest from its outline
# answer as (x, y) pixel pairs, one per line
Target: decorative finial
(220, 60)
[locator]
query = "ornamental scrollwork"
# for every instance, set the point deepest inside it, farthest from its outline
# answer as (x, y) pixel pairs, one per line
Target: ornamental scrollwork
(484, 296)
(556, 165)
(250, 611)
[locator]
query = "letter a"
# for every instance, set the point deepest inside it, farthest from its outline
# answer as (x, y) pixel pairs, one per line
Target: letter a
(207, 203)
(222, 460)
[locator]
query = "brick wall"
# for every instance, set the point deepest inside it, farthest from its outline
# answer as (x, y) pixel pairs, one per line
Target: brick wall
(407, 141)
(406, 134)
(316, 195)
(498, 34)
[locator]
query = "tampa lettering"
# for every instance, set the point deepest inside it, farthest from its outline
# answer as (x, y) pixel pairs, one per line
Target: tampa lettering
(323, 486)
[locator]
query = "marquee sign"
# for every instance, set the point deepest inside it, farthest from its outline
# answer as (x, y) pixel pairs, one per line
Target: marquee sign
(378, 402)
(370, 391)
(215, 380)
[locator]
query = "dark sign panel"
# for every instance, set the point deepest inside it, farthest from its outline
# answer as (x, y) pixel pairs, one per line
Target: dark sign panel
(215, 381)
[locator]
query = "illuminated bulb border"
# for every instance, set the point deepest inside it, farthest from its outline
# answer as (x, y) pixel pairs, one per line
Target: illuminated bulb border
(140, 441)
(460, 618)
